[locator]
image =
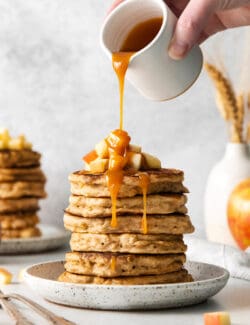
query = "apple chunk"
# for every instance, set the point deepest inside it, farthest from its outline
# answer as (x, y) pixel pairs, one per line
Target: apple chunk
(5, 276)
(92, 155)
(217, 318)
(134, 160)
(102, 149)
(134, 148)
(151, 161)
(98, 165)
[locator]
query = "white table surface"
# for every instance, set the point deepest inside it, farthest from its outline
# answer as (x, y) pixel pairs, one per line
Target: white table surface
(234, 298)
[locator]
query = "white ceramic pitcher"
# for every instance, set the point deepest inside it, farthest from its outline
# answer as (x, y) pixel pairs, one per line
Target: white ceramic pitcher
(152, 72)
(233, 168)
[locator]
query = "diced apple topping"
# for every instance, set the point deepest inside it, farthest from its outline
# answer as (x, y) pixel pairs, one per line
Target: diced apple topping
(5, 276)
(134, 148)
(134, 160)
(116, 153)
(118, 141)
(92, 155)
(7, 142)
(98, 165)
(151, 162)
(102, 149)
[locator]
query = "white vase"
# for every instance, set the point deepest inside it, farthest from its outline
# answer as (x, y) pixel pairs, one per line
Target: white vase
(223, 178)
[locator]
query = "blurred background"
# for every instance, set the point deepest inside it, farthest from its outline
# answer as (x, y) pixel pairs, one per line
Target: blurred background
(58, 88)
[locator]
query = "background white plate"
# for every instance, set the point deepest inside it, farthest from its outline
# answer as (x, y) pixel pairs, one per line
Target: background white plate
(51, 238)
(208, 280)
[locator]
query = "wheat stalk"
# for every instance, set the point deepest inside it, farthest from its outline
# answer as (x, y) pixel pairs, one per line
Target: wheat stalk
(227, 100)
(241, 113)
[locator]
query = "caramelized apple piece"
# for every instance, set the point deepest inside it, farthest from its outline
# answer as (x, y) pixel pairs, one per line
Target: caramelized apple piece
(134, 160)
(151, 161)
(134, 148)
(118, 140)
(15, 144)
(92, 155)
(98, 165)
(117, 162)
(102, 149)
(217, 318)
(5, 276)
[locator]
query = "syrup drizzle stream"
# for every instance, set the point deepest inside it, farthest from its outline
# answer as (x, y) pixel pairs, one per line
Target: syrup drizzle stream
(139, 36)
(144, 182)
(114, 178)
(120, 61)
(113, 263)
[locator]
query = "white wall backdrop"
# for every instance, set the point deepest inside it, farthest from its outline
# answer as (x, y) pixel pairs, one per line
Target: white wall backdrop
(57, 87)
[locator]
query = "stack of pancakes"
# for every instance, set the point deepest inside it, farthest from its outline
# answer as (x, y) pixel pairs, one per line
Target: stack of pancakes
(21, 185)
(124, 255)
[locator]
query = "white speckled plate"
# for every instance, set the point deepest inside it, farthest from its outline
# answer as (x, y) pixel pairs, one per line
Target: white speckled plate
(52, 238)
(208, 280)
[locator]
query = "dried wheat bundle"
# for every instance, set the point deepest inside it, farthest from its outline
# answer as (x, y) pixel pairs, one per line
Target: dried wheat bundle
(227, 101)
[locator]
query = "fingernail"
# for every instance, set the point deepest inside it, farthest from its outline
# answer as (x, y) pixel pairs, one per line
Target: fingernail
(177, 50)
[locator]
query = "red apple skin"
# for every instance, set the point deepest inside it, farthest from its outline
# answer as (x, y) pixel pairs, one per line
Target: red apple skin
(238, 213)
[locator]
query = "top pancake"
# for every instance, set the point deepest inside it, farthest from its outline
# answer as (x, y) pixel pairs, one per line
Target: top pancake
(160, 181)
(19, 158)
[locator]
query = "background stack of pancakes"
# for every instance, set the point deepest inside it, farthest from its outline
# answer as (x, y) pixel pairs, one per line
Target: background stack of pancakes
(124, 255)
(21, 185)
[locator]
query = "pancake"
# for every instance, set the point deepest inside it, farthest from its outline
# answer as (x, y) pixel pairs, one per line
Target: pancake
(18, 220)
(101, 207)
(20, 233)
(95, 185)
(127, 243)
(18, 205)
(28, 174)
(173, 277)
(19, 158)
(157, 224)
(22, 189)
(99, 264)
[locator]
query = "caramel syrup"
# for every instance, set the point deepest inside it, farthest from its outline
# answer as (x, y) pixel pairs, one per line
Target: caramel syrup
(113, 263)
(139, 36)
(144, 182)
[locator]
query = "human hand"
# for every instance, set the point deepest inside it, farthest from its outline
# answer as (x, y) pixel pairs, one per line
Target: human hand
(199, 19)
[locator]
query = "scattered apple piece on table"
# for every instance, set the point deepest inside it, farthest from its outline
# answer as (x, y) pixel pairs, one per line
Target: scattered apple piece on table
(5, 276)
(217, 318)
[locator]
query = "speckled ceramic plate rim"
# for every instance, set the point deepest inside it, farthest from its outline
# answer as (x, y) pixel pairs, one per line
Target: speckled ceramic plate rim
(225, 276)
(52, 238)
(59, 233)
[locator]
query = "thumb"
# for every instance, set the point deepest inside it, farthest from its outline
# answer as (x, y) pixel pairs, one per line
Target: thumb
(190, 26)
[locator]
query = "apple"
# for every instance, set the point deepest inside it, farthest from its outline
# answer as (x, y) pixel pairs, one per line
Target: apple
(5, 276)
(118, 140)
(92, 155)
(102, 149)
(151, 162)
(217, 318)
(134, 160)
(134, 148)
(238, 214)
(98, 165)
